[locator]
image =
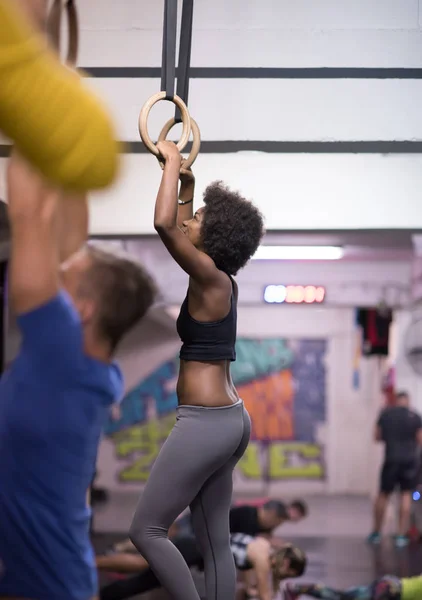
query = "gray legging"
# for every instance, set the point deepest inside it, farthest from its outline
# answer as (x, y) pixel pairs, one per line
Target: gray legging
(194, 468)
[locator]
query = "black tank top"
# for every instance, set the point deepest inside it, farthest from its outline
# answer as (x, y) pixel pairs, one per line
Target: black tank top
(208, 341)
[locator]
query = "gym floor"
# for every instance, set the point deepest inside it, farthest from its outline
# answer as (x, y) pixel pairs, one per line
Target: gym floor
(333, 536)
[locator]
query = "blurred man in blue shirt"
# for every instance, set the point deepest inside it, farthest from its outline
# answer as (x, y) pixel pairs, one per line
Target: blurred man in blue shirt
(73, 303)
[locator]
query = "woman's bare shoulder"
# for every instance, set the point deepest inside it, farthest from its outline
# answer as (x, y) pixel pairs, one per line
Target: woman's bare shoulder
(259, 547)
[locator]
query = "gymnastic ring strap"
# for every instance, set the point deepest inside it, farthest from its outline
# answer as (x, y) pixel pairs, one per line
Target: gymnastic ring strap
(196, 141)
(54, 22)
(185, 48)
(143, 121)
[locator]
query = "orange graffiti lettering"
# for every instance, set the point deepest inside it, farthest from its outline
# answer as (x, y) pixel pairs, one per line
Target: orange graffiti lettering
(269, 402)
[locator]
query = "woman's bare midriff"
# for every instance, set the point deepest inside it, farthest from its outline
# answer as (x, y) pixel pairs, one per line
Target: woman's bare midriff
(206, 384)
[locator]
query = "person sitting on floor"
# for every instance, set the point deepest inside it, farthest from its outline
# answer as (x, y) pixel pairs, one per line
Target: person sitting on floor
(249, 553)
(246, 518)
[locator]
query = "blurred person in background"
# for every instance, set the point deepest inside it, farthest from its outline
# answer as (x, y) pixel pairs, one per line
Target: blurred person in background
(400, 429)
(248, 519)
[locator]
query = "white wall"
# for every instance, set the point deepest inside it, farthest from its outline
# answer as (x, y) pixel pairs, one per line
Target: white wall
(278, 109)
(270, 33)
(294, 191)
(406, 378)
(408, 333)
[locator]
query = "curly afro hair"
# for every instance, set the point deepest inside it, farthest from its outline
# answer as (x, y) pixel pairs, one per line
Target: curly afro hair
(232, 228)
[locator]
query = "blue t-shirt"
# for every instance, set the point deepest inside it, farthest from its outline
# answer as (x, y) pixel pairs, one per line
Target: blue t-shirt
(54, 401)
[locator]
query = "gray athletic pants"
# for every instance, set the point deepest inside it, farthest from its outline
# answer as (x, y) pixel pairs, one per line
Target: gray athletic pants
(194, 468)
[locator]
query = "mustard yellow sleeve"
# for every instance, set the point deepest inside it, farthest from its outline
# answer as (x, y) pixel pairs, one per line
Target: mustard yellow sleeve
(59, 125)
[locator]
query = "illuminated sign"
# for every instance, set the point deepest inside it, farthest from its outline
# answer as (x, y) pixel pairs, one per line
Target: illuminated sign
(294, 294)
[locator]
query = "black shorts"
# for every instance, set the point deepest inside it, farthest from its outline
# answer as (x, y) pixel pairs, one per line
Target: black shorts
(402, 475)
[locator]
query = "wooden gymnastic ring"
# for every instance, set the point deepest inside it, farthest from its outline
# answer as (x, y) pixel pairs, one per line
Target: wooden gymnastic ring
(143, 122)
(196, 141)
(54, 29)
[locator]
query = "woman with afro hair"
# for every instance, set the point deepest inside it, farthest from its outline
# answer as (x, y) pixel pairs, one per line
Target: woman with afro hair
(195, 465)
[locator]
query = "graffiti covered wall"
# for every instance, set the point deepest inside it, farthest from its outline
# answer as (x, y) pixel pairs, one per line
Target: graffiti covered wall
(283, 385)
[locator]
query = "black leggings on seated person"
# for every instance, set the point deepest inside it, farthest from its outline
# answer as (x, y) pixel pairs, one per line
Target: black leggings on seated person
(194, 468)
(146, 581)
